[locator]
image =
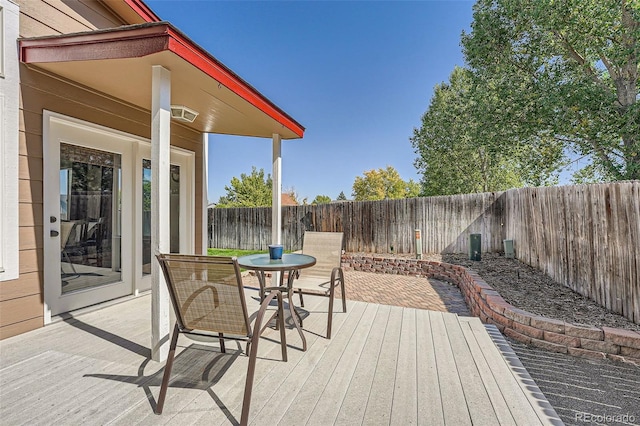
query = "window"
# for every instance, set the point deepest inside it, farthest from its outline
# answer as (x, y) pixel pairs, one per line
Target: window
(9, 90)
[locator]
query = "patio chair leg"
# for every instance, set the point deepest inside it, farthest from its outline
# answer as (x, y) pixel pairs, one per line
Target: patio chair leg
(167, 370)
(331, 297)
(301, 300)
(344, 296)
(221, 339)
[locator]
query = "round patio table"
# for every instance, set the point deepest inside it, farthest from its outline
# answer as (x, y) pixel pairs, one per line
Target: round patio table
(290, 263)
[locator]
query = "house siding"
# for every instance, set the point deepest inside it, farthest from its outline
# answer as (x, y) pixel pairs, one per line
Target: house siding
(22, 300)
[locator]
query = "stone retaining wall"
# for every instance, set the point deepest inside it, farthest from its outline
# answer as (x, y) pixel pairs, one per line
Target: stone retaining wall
(484, 302)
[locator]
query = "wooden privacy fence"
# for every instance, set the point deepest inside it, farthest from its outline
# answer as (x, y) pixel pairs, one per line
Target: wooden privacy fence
(586, 237)
(370, 226)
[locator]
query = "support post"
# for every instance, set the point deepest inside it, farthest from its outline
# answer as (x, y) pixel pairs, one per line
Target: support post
(160, 207)
(276, 201)
(205, 193)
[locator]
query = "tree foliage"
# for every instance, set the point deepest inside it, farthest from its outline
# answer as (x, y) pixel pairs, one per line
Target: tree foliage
(561, 72)
(252, 190)
(321, 199)
(382, 184)
(341, 196)
(458, 154)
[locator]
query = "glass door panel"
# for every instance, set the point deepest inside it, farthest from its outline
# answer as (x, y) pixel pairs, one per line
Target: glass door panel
(174, 217)
(90, 217)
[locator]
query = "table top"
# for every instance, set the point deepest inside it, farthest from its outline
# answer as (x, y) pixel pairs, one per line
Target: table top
(289, 261)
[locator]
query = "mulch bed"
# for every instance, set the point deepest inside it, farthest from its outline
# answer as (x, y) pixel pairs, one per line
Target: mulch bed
(531, 290)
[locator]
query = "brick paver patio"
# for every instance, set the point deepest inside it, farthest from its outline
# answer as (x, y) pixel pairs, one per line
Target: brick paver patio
(400, 290)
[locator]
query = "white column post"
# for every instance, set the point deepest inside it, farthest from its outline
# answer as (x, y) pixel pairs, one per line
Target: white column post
(276, 212)
(276, 202)
(160, 211)
(205, 193)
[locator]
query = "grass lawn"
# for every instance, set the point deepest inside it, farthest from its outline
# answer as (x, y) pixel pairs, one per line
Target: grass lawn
(232, 252)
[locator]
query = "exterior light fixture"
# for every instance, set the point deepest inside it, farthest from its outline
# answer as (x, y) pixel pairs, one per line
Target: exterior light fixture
(182, 113)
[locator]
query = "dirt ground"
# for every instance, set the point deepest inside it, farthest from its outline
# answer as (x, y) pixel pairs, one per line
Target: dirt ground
(531, 290)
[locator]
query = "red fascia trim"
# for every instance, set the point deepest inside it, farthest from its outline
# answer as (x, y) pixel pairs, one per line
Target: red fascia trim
(143, 10)
(198, 57)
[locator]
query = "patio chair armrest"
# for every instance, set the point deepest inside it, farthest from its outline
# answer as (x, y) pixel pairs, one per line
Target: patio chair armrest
(339, 272)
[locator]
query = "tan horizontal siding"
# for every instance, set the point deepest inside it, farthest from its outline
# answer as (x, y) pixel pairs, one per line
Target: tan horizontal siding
(32, 27)
(28, 145)
(90, 14)
(30, 191)
(30, 214)
(54, 18)
(31, 260)
(30, 167)
(27, 285)
(21, 309)
(30, 237)
(21, 327)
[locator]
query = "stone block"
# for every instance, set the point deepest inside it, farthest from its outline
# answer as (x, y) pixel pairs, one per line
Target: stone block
(591, 333)
(622, 337)
(519, 337)
(523, 317)
(548, 346)
(499, 326)
(623, 359)
(600, 346)
(584, 353)
(498, 304)
(630, 352)
(548, 324)
(529, 331)
(501, 320)
(485, 293)
(561, 339)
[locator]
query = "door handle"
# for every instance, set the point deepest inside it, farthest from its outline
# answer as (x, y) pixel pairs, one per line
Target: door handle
(54, 233)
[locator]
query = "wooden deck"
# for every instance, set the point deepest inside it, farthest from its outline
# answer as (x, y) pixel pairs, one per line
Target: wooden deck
(384, 365)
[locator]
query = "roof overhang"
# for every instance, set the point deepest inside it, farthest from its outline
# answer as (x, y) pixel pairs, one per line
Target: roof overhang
(118, 61)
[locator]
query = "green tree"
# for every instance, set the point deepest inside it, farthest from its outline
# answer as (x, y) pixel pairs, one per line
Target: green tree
(341, 196)
(564, 72)
(252, 190)
(321, 199)
(383, 183)
(458, 154)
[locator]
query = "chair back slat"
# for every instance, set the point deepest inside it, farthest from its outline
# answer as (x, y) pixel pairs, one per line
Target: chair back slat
(207, 293)
(326, 247)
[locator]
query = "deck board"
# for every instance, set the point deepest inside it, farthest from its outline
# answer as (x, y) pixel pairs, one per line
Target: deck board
(404, 409)
(356, 398)
(454, 403)
(479, 405)
(384, 365)
(326, 409)
(378, 410)
(296, 376)
(428, 392)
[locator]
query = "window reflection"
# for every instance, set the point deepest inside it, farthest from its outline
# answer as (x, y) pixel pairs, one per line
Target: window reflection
(174, 217)
(90, 207)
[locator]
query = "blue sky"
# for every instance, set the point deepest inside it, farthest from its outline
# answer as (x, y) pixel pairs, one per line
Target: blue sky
(358, 75)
